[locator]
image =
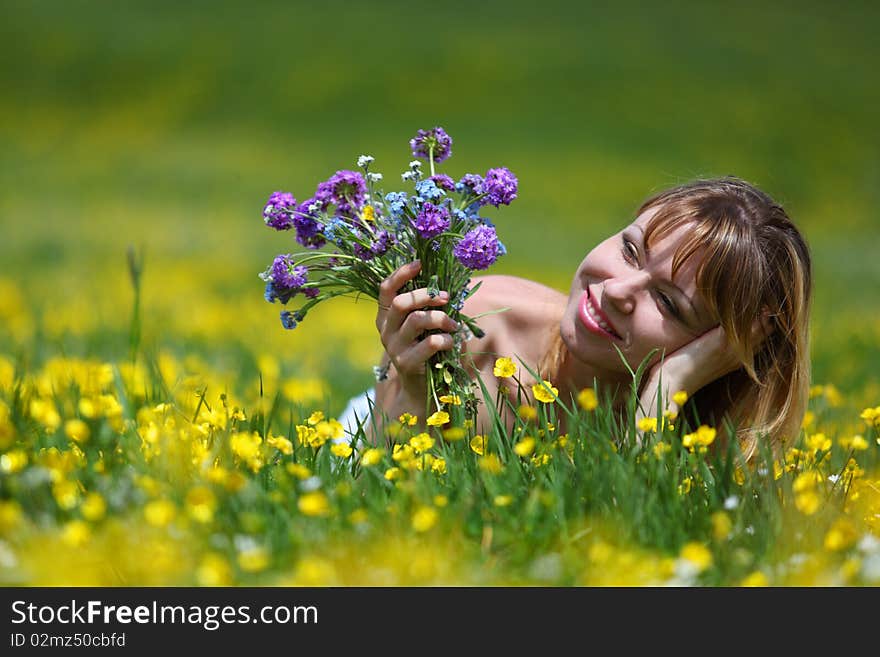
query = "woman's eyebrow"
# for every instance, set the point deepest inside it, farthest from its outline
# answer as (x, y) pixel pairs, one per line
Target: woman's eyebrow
(675, 288)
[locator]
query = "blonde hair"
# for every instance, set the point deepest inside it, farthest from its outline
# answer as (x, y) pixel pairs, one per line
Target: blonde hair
(756, 267)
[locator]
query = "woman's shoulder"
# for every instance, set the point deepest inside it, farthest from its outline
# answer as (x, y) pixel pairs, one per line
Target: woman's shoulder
(522, 300)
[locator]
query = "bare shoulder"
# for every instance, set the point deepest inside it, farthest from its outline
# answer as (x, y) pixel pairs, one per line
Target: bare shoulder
(525, 300)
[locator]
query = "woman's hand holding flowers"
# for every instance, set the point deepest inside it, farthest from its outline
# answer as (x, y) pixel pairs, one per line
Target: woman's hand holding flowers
(407, 326)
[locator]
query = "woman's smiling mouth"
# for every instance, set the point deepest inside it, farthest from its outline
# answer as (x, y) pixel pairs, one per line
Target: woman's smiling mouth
(594, 319)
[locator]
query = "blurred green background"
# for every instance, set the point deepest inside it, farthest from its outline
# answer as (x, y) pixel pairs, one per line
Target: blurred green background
(165, 125)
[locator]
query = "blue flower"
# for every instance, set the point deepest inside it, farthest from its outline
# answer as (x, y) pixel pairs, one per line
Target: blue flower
(287, 320)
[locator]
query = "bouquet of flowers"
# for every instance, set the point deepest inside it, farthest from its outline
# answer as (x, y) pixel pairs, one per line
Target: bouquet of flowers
(357, 235)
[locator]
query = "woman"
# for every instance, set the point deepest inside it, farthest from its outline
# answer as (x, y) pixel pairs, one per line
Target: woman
(711, 280)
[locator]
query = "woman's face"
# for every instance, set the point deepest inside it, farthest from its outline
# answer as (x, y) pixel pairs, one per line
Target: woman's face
(624, 295)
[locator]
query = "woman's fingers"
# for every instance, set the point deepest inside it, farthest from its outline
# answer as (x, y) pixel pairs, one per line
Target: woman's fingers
(413, 358)
(389, 288)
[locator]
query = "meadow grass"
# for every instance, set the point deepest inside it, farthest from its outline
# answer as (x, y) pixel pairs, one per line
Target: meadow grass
(163, 128)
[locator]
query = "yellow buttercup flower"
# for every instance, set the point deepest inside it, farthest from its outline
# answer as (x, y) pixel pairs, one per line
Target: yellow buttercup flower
(502, 500)
(721, 525)
(408, 419)
(393, 474)
(424, 519)
(478, 444)
(698, 555)
(680, 397)
(587, 399)
(525, 447)
(454, 433)
(201, 504)
(647, 424)
(76, 430)
(372, 457)
(455, 400)
(491, 464)
(313, 504)
(368, 213)
(755, 579)
(298, 470)
(437, 419)
(545, 392)
(527, 413)
(159, 513)
(342, 450)
(504, 368)
(93, 507)
(421, 442)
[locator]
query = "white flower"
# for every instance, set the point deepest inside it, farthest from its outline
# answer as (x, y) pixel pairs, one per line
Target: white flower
(374, 177)
(731, 502)
(407, 175)
(313, 483)
(364, 160)
(415, 164)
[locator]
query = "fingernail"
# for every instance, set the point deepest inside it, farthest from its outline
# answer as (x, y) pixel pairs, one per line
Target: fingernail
(444, 296)
(415, 263)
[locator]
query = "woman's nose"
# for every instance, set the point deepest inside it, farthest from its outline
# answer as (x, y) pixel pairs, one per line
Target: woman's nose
(622, 291)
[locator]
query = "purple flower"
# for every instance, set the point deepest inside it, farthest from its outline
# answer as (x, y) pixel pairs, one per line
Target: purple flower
(277, 209)
(470, 183)
(286, 275)
(308, 230)
(431, 220)
(443, 181)
(478, 249)
(311, 292)
(435, 138)
(383, 240)
(347, 190)
(499, 186)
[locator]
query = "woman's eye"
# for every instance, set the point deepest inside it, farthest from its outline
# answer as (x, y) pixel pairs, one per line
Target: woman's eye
(666, 301)
(629, 251)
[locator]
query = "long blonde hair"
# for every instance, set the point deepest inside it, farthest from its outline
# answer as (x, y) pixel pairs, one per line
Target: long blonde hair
(756, 267)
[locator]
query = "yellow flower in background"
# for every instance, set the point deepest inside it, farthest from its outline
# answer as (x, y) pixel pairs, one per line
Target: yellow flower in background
(818, 442)
(841, 535)
(327, 430)
(438, 465)
(372, 456)
(680, 397)
(437, 419)
(14, 461)
(806, 498)
(721, 525)
(76, 533)
(424, 519)
(76, 430)
(545, 392)
(298, 470)
(421, 442)
(755, 579)
(698, 555)
(214, 570)
(527, 413)
(368, 213)
(10, 515)
(490, 463)
(502, 500)
(315, 417)
(441, 500)
(280, 443)
(455, 400)
(685, 486)
(66, 493)
(160, 513)
(454, 433)
(661, 448)
(313, 504)
(809, 419)
(700, 439)
(402, 453)
(201, 504)
(253, 559)
(871, 416)
(342, 450)
(646, 424)
(93, 507)
(587, 399)
(478, 444)
(393, 474)
(504, 368)
(408, 419)
(525, 447)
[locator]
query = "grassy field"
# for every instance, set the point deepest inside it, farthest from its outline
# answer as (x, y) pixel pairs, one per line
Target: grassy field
(164, 127)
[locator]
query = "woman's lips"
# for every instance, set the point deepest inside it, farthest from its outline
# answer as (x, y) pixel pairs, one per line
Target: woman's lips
(594, 319)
